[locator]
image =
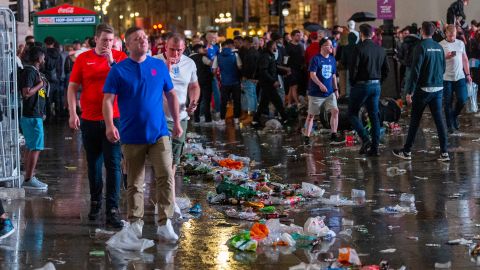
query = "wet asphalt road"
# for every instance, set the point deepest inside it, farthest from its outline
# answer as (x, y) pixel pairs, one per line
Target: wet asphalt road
(53, 226)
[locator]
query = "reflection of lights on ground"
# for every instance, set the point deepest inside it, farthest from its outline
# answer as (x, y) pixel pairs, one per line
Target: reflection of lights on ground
(187, 225)
(222, 257)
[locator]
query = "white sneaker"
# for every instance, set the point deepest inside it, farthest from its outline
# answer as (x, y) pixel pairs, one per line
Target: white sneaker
(220, 122)
(236, 121)
(166, 232)
(34, 183)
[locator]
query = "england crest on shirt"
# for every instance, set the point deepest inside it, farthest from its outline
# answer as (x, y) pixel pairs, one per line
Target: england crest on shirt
(327, 71)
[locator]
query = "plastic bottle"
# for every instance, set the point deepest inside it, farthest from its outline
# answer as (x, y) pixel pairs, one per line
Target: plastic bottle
(358, 193)
(407, 197)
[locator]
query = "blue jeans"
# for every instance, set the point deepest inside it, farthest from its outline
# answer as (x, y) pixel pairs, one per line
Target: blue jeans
(368, 95)
(460, 89)
(99, 150)
(420, 100)
(249, 96)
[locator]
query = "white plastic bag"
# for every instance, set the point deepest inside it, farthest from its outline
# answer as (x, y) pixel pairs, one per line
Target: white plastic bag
(311, 190)
(472, 106)
(48, 266)
(273, 124)
(315, 226)
(129, 238)
(183, 202)
(287, 238)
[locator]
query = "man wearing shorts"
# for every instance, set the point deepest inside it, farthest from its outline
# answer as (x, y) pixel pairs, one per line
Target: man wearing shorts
(34, 92)
(183, 73)
(323, 90)
(296, 63)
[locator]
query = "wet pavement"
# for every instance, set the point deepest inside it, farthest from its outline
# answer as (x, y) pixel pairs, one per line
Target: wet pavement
(53, 225)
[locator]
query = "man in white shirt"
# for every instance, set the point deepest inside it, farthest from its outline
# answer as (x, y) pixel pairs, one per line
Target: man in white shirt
(457, 74)
(183, 72)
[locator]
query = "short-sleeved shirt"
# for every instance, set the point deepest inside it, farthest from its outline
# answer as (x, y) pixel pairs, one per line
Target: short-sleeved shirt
(454, 66)
(139, 88)
(183, 74)
(33, 106)
(90, 70)
(325, 68)
(296, 56)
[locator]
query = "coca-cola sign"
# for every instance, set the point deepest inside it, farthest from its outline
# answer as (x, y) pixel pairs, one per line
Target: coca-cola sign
(68, 10)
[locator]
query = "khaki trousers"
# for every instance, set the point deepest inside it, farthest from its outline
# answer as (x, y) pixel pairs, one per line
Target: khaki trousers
(160, 155)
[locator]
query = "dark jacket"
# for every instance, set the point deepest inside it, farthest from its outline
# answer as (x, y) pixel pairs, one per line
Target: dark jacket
(347, 54)
(250, 63)
(455, 10)
(204, 72)
(267, 70)
(369, 62)
(53, 68)
(405, 54)
(227, 63)
(428, 65)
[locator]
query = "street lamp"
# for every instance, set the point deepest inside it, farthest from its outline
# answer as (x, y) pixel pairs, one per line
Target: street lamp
(120, 17)
(224, 18)
(285, 12)
(132, 15)
(137, 14)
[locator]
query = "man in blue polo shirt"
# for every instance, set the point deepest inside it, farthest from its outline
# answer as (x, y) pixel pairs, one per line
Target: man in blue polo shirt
(139, 83)
(323, 89)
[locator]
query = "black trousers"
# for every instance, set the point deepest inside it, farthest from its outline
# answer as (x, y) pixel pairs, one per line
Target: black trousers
(205, 100)
(270, 94)
(229, 92)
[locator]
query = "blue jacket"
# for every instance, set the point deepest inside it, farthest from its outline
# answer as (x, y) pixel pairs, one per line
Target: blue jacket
(227, 63)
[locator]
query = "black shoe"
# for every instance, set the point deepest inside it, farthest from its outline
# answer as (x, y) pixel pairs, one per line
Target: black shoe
(95, 208)
(256, 125)
(113, 219)
(451, 130)
(365, 147)
(306, 140)
(373, 153)
(336, 140)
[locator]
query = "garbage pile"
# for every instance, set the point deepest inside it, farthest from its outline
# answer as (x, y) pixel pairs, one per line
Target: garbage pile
(247, 193)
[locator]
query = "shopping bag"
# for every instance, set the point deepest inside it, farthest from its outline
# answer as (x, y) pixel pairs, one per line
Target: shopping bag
(472, 106)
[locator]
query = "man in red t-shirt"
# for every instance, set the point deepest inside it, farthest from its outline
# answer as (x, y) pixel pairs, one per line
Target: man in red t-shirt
(90, 71)
(312, 49)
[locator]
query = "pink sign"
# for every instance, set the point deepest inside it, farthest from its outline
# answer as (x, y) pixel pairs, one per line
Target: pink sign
(386, 9)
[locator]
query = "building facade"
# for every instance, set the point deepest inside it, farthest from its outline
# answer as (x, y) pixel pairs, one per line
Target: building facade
(201, 15)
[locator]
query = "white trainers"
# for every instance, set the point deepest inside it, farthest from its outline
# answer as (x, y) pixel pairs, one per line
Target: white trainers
(166, 232)
(34, 183)
(236, 121)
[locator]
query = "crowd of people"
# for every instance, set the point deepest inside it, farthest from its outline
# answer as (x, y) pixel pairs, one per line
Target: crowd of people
(132, 98)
